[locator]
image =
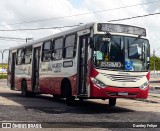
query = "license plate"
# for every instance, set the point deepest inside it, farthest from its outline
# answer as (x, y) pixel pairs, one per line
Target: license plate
(123, 93)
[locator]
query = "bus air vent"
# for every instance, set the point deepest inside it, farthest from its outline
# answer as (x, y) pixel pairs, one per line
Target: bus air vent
(123, 78)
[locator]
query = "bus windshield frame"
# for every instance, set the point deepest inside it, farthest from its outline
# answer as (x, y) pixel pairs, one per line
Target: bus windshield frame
(125, 53)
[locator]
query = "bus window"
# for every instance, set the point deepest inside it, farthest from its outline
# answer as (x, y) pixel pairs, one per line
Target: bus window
(28, 55)
(20, 54)
(57, 49)
(46, 56)
(69, 47)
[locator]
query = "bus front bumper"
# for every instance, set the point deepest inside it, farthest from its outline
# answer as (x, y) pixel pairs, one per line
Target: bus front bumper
(117, 92)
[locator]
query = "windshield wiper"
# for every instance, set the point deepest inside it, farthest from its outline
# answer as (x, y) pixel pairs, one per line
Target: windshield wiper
(139, 36)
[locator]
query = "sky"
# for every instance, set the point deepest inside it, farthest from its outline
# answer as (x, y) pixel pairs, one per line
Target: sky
(21, 11)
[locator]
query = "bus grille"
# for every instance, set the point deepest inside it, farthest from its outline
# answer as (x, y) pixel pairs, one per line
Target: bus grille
(123, 78)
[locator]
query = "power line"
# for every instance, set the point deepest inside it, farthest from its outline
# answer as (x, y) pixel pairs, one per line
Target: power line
(134, 17)
(42, 28)
(157, 49)
(62, 17)
(12, 38)
(3, 46)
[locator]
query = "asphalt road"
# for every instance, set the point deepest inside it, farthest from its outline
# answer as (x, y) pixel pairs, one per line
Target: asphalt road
(14, 107)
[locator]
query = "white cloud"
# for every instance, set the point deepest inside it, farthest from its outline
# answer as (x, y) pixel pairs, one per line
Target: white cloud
(151, 23)
(18, 11)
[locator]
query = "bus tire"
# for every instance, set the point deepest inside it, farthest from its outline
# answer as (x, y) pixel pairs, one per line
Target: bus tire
(55, 97)
(24, 91)
(112, 101)
(31, 94)
(81, 99)
(66, 89)
(69, 98)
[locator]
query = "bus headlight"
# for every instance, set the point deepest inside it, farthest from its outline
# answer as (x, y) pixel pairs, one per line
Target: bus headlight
(98, 83)
(144, 86)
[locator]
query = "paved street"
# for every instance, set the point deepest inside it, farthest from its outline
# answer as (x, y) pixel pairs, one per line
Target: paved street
(14, 107)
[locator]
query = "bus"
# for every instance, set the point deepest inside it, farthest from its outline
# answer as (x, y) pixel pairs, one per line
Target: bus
(92, 61)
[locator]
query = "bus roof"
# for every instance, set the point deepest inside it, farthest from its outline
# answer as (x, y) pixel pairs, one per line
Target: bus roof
(104, 28)
(85, 26)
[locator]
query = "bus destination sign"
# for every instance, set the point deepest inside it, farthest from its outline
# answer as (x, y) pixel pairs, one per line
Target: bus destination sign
(118, 28)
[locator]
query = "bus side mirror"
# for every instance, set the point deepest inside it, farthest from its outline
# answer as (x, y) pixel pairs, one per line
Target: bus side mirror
(91, 43)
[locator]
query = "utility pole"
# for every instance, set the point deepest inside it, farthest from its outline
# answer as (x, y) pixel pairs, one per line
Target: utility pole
(28, 39)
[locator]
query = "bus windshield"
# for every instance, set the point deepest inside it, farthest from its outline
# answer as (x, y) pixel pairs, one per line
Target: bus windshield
(121, 53)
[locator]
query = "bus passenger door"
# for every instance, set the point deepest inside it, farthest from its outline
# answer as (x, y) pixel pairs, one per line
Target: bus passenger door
(35, 69)
(12, 78)
(82, 62)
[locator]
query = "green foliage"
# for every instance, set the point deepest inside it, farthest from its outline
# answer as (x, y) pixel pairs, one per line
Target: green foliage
(4, 65)
(157, 63)
(3, 76)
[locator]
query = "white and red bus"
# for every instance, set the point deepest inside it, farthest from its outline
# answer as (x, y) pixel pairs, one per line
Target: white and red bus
(93, 61)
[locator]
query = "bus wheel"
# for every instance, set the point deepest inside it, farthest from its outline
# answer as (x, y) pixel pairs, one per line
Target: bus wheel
(24, 89)
(31, 94)
(112, 101)
(70, 101)
(56, 97)
(68, 94)
(81, 99)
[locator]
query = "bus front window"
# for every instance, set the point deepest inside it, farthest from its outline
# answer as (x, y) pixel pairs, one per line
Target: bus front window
(137, 54)
(121, 53)
(109, 52)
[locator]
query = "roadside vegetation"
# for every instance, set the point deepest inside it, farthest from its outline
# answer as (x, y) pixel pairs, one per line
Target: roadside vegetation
(157, 63)
(4, 75)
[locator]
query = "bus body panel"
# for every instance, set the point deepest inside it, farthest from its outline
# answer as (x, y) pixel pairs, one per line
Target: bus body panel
(23, 72)
(112, 92)
(78, 70)
(122, 79)
(52, 85)
(130, 89)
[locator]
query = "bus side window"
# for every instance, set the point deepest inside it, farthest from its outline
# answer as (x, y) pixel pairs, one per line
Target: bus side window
(28, 55)
(46, 54)
(9, 61)
(57, 49)
(69, 47)
(19, 56)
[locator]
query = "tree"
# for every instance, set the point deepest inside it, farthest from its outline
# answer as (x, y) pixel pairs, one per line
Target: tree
(157, 63)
